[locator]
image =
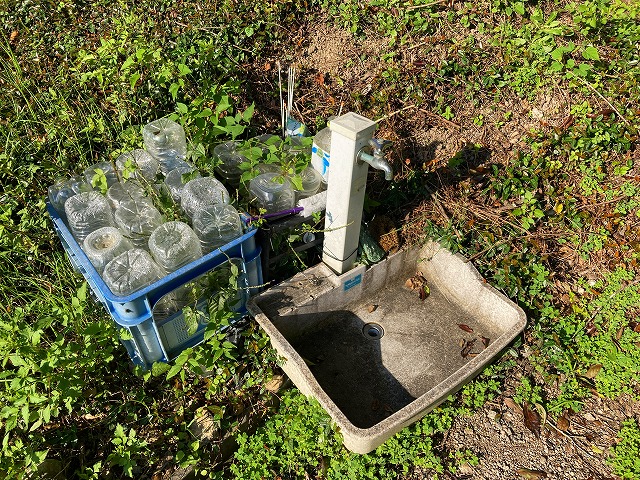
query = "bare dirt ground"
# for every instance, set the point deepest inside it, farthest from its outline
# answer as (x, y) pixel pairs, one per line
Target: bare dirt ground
(573, 448)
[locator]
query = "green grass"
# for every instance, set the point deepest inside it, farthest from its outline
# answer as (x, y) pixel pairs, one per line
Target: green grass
(78, 81)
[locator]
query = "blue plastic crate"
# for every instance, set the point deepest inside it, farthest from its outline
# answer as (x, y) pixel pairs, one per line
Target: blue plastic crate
(153, 339)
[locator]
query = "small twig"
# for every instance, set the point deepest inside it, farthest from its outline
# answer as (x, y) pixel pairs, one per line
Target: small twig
(417, 7)
(606, 101)
(386, 117)
(417, 45)
(442, 119)
(617, 199)
(572, 439)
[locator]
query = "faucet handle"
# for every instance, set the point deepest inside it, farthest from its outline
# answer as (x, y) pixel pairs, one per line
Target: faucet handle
(379, 145)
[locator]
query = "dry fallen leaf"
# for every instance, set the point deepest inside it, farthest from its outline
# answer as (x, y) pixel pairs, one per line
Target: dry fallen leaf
(466, 350)
(593, 370)
(485, 341)
(466, 328)
(531, 474)
(13, 35)
(275, 384)
(512, 405)
(531, 419)
(372, 308)
(563, 423)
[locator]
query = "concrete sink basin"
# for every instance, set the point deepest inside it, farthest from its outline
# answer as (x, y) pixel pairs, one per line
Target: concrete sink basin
(377, 353)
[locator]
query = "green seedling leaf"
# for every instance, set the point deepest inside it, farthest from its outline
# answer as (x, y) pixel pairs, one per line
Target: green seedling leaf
(591, 53)
(582, 70)
(296, 181)
(519, 8)
(99, 181)
(236, 130)
(234, 270)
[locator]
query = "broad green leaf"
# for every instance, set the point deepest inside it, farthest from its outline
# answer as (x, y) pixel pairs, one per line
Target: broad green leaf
(183, 69)
(236, 130)
(173, 90)
(519, 8)
(127, 63)
(173, 371)
(182, 108)
(133, 79)
(206, 112)
(557, 53)
(248, 113)
(591, 53)
(296, 181)
(159, 368)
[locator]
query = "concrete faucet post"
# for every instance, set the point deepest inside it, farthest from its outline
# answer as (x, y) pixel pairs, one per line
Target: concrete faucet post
(345, 191)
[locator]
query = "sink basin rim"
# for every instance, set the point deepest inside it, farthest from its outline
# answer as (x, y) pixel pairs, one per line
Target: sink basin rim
(364, 440)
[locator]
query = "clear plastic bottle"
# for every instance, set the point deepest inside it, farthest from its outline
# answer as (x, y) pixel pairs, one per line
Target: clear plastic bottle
(321, 152)
(123, 192)
(230, 160)
(200, 192)
(273, 192)
(86, 212)
(103, 245)
(216, 225)
(65, 188)
(137, 219)
(311, 180)
(143, 163)
(129, 272)
(106, 168)
(164, 139)
(174, 180)
(173, 245)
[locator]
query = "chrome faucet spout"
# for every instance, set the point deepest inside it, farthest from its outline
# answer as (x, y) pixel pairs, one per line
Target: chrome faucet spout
(376, 158)
(379, 164)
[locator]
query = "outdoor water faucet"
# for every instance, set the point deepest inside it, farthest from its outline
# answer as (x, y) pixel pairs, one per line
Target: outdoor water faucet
(377, 147)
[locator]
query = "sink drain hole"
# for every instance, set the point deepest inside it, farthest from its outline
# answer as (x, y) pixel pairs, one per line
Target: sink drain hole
(373, 331)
